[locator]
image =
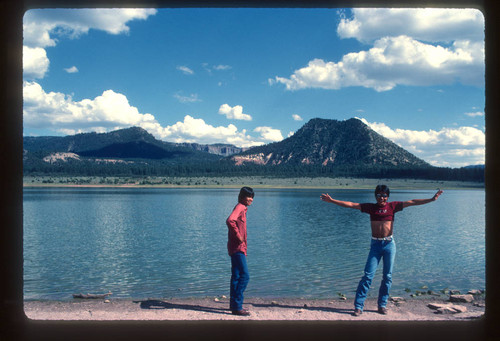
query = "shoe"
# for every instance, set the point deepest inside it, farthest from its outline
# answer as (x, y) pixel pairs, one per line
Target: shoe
(357, 312)
(241, 312)
(382, 310)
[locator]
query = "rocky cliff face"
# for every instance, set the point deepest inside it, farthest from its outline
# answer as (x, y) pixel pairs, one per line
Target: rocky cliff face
(326, 142)
(218, 149)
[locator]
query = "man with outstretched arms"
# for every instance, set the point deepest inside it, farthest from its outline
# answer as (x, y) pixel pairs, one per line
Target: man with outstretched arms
(382, 243)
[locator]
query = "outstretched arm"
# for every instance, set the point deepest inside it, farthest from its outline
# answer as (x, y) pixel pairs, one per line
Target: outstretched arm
(348, 204)
(415, 202)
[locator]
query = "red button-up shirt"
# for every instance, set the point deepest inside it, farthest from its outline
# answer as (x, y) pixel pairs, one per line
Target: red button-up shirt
(237, 230)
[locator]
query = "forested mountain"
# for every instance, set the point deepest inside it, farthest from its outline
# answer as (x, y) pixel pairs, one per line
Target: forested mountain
(87, 141)
(320, 148)
(330, 142)
(130, 143)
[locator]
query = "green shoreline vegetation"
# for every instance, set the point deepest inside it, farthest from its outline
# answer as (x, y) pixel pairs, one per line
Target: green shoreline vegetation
(237, 182)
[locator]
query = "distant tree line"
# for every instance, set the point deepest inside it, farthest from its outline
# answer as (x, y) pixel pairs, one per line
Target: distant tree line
(223, 168)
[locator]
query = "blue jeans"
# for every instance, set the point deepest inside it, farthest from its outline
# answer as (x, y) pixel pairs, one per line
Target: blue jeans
(380, 249)
(239, 280)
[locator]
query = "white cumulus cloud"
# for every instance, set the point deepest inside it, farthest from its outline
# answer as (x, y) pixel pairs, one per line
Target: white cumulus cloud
(60, 112)
(429, 24)
(72, 69)
(45, 27)
(110, 111)
(296, 117)
(269, 134)
(392, 61)
(235, 113)
(409, 47)
(197, 130)
(35, 62)
(447, 147)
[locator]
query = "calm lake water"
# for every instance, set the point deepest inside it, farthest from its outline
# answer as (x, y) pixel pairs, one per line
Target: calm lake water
(161, 243)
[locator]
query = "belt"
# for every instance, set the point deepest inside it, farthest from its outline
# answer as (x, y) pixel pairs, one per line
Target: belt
(389, 238)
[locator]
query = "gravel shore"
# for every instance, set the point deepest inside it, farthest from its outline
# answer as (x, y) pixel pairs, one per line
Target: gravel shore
(270, 319)
(261, 309)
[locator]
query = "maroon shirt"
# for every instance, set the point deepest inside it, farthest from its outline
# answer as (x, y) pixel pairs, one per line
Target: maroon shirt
(237, 230)
(382, 213)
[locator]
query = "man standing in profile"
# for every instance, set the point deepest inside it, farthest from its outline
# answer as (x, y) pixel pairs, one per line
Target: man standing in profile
(237, 249)
(382, 243)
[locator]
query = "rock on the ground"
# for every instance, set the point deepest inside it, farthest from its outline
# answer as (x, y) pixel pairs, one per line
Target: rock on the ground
(452, 310)
(397, 299)
(447, 308)
(462, 298)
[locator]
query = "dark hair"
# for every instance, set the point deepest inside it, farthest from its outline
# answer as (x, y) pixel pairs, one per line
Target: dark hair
(245, 192)
(383, 189)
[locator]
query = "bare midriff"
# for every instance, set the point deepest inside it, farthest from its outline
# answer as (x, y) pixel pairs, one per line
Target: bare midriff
(381, 229)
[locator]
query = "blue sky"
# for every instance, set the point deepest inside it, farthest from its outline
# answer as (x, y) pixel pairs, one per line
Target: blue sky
(253, 76)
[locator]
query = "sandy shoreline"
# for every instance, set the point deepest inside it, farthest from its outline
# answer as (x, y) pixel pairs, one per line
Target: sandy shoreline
(213, 309)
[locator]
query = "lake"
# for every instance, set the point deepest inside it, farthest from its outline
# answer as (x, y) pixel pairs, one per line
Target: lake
(167, 242)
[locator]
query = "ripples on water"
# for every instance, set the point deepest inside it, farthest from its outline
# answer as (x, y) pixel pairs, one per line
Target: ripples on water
(172, 242)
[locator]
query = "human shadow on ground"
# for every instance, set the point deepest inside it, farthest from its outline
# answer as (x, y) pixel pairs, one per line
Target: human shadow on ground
(159, 304)
(305, 307)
